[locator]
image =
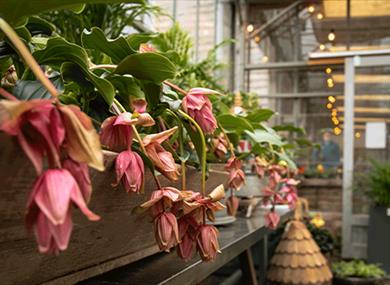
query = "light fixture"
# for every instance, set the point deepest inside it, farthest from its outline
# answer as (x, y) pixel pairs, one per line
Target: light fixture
(334, 112)
(265, 58)
(257, 39)
(331, 99)
(329, 106)
(357, 135)
(328, 70)
(250, 28)
(320, 16)
(311, 9)
(322, 47)
(331, 35)
(337, 131)
(335, 121)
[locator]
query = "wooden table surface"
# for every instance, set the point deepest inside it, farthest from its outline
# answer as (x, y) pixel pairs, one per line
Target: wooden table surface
(167, 268)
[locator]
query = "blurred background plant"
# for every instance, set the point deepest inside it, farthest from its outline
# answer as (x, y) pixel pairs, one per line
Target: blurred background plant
(357, 268)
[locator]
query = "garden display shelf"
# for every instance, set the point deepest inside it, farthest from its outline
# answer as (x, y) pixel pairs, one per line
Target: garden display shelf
(119, 238)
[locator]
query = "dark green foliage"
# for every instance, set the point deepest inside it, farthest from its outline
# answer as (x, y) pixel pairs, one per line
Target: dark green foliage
(357, 268)
(378, 183)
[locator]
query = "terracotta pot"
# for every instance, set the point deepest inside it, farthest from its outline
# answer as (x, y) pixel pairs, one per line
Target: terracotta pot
(95, 247)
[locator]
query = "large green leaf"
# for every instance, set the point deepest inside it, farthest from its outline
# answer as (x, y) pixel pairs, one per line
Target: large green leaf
(262, 136)
(127, 87)
(14, 10)
(33, 89)
(234, 123)
(135, 40)
(147, 66)
(117, 48)
(152, 93)
(59, 51)
(260, 115)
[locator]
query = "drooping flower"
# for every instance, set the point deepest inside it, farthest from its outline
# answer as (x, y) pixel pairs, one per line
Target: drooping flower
(233, 163)
(232, 204)
(272, 220)
(129, 169)
(48, 209)
(198, 106)
(162, 199)
(81, 175)
(81, 140)
(220, 146)
(162, 159)
(289, 191)
(236, 174)
(116, 132)
(166, 231)
(260, 166)
(274, 176)
(207, 242)
(187, 232)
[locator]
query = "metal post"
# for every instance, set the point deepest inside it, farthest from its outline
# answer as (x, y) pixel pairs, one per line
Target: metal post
(174, 9)
(348, 154)
(348, 24)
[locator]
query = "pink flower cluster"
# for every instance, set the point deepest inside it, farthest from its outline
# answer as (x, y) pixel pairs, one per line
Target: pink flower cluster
(179, 221)
(66, 137)
(236, 181)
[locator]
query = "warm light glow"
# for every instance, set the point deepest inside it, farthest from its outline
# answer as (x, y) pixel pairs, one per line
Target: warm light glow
(357, 135)
(365, 78)
(337, 131)
(331, 36)
(335, 121)
(320, 16)
(328, 70)
(265, 58)
(330, 85)
(322, 47)
(311, 9)
(359, 8)
(250, 28)
(329, 106)
(257, 39)
(331, 99)
(334, 112)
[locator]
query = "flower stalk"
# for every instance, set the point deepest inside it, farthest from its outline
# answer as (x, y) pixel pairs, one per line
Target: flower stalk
(230, 146)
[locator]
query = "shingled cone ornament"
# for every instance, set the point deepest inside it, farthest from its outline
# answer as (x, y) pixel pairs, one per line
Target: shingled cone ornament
(298, 259)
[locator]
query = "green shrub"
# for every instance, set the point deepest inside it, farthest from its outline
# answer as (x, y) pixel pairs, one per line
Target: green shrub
(357, 268)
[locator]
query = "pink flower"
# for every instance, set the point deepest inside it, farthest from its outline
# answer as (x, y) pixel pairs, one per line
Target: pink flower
(274, 176)
(166, 231)
(290, 192)
(116, 132)
(162, 199)
(260, 166)
(232, 204)
(233, 163)
(236, 174)
(220, 146)
(198, 106)
(162, 159)
(272, 220)
(207, 242)
(139, 105)
(130, 170)
(81, 175)
(187, 230)
(185, 249)
(48, 209)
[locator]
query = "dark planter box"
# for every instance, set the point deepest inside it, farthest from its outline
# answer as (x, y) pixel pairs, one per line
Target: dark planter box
(356, 281)
(379, 237)
(95, 247)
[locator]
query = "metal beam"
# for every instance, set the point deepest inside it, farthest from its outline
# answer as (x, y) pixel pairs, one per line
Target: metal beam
(292, 65)
(300, 95)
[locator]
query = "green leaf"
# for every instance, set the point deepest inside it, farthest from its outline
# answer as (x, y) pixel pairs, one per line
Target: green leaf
(260, 115)
(59, 51)
(147, 66)
(152, 93)
(286, 158)
(14, 10)
(234, 123)
(262, 136)
(117, 48)
(135, 40)
(33, 89)
(289, 128)
(195, 138)
(38, 26)
(127, 87)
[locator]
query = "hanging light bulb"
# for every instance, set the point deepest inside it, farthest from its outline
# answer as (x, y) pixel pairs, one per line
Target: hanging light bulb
(311, 9)
(265, 58)
(329, 106)
(334, 112)
(357, 135)
(328, 70)
(257, 39)
(322, 47)
(331, 35)
(331, 99)
(330, 82)
(337, 131)
(250, 28)
(320, 16)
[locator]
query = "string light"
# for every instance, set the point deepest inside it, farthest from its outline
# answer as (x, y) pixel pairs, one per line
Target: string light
(331, 36)
(335, 121)
(334, 112)
(328, 70)
(257, 39)
(337, 131)
(265, 58)
(331, 99)
(250, 28)
(330, 82)
(322, 47)
(329, 106)
(311, 9)
(358, 135)
(320, 16)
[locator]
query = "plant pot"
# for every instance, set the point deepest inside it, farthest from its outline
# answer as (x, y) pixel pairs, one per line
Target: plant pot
(95, 247)
(356, 281)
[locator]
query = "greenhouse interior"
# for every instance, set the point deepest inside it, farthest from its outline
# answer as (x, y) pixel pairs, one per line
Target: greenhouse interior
(195, 142)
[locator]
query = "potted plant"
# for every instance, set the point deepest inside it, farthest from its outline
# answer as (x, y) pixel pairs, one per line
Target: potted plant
(356, 272)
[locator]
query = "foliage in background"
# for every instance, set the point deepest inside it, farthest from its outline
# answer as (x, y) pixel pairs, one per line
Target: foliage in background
(357, 268)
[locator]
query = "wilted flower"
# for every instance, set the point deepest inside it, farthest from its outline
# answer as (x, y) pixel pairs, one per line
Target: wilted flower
(116, 132)
(130, 170)
(162, 159)
(10, 77)
(274, 176)
(207, 242)
(290, 192)
(260, 166)
(236, 174)
(272, 220)
(162, 199)
(220, 146)
(232, 204)
(166, 231)
(48, 208)
(233, 163)
(187, 231)
(198, 106)
(81, 175)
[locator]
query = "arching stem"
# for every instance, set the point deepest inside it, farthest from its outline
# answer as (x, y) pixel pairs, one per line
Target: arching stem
(230, 146)
(173, 86)
(26, 55)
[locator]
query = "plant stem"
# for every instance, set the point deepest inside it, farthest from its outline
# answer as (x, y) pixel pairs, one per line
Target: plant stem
(108, 66)
(230, 146)
(173, 86)
(203, 158)
(26, 55)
